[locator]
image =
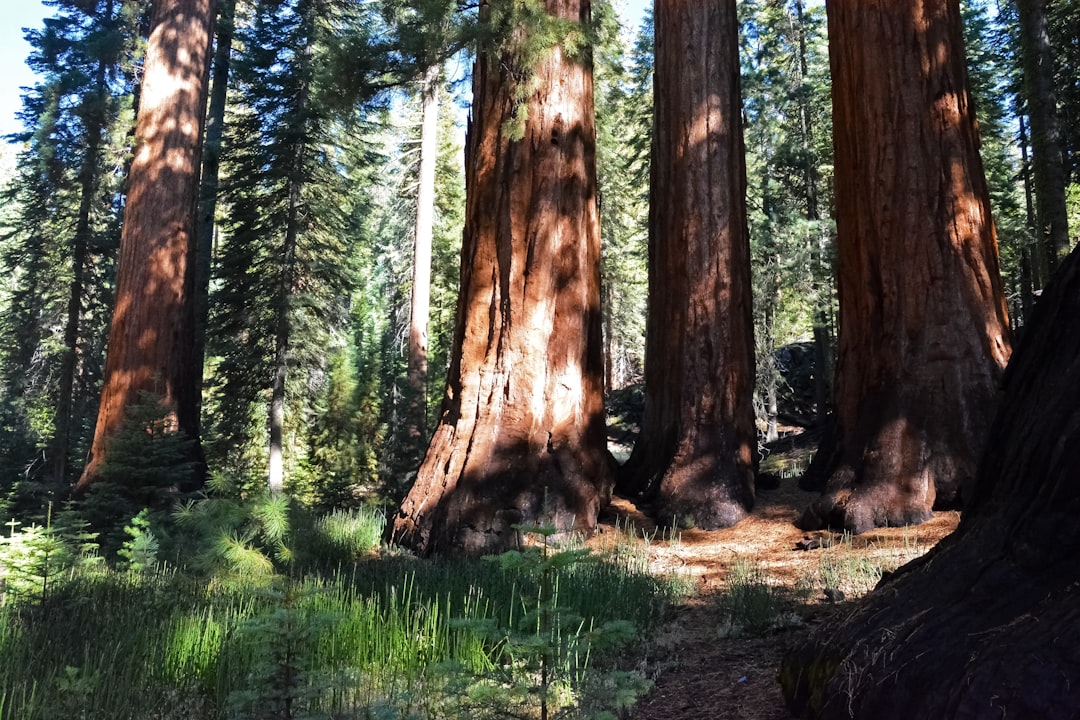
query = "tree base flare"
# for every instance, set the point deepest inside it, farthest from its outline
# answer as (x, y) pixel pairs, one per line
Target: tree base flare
(995, 640)
(716, 511)
(861, 509)
(988, 623)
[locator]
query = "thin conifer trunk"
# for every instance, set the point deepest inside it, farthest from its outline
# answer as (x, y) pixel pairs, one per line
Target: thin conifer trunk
(421, 279)
(1051, 211)
(283, 328)
(89, 175)
(215, 125)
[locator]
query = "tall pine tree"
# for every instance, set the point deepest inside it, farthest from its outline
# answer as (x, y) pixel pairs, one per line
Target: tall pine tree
(283, 270)
(62, 242)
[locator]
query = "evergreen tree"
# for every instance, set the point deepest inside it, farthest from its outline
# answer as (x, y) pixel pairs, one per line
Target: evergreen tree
(284, 270)
(623, 134)
(386, 222)
(696, 449)
(1049, 161)
(521, 435)
(61, 243)
(1062, 20)
(789, 162)
(994, 76)
(924, 332)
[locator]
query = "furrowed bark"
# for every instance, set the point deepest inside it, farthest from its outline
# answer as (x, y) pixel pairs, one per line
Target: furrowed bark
(151, 336)
(695, 453)
(521, 435)
(924, 334)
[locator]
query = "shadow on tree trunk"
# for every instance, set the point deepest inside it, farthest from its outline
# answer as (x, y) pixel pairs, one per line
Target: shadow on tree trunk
(988, 623)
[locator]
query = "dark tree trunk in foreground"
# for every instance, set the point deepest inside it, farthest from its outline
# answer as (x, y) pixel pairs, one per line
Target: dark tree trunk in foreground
(696, 447)
(987, 625)
(924, 334)
(1051, 211)
(521, 436)
(150, 339)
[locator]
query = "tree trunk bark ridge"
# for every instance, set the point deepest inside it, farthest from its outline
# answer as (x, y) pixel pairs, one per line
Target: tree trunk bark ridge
(696, 451)
(152, 332)
(521, 439)
(924, 333)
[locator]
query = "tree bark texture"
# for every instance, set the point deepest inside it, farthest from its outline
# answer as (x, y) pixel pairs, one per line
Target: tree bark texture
(696, 449)
(1051, 210)
(521, 435)
(151, 336)
(988, 623)
(924, 333)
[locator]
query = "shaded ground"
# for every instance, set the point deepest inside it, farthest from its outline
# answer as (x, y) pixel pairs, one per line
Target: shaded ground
(702, 665)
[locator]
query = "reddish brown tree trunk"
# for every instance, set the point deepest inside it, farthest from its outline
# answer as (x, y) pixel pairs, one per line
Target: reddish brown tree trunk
(521, 436)
(987, 625)
(924, 334)
(697, 442)
(150, 339)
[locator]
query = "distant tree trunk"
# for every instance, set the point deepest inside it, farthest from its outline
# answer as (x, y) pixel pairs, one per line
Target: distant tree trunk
(283, 324)
(1029, 266)
(924, 333)
(208, 193)
(1051, 211)
(421, 279)
(822, 292)
(608, 328)
(89, 175)
(521, 436)
(987, 624)
(150, 339)
(696, 450)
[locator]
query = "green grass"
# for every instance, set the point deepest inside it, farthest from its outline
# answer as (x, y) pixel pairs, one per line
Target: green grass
(856, 572)
(388, 634)
(749, 604)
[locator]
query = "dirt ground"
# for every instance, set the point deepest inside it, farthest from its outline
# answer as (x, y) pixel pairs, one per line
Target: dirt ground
(704, 668)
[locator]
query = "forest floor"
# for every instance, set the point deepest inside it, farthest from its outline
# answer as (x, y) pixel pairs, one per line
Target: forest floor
(702, 665)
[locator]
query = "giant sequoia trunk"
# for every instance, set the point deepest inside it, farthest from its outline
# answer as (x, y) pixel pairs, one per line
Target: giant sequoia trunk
(988, 623)
(151, 336)
(521, 435)
(696, 447)
(924, 334)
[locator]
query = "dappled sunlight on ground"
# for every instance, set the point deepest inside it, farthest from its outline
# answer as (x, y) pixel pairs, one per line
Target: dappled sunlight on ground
(700, 669)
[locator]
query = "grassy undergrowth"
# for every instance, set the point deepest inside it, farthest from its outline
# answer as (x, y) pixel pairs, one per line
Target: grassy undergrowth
(754, 604)
(382, 636)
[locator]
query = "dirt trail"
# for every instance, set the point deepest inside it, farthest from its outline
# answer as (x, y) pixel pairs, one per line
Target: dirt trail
(704, 669)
